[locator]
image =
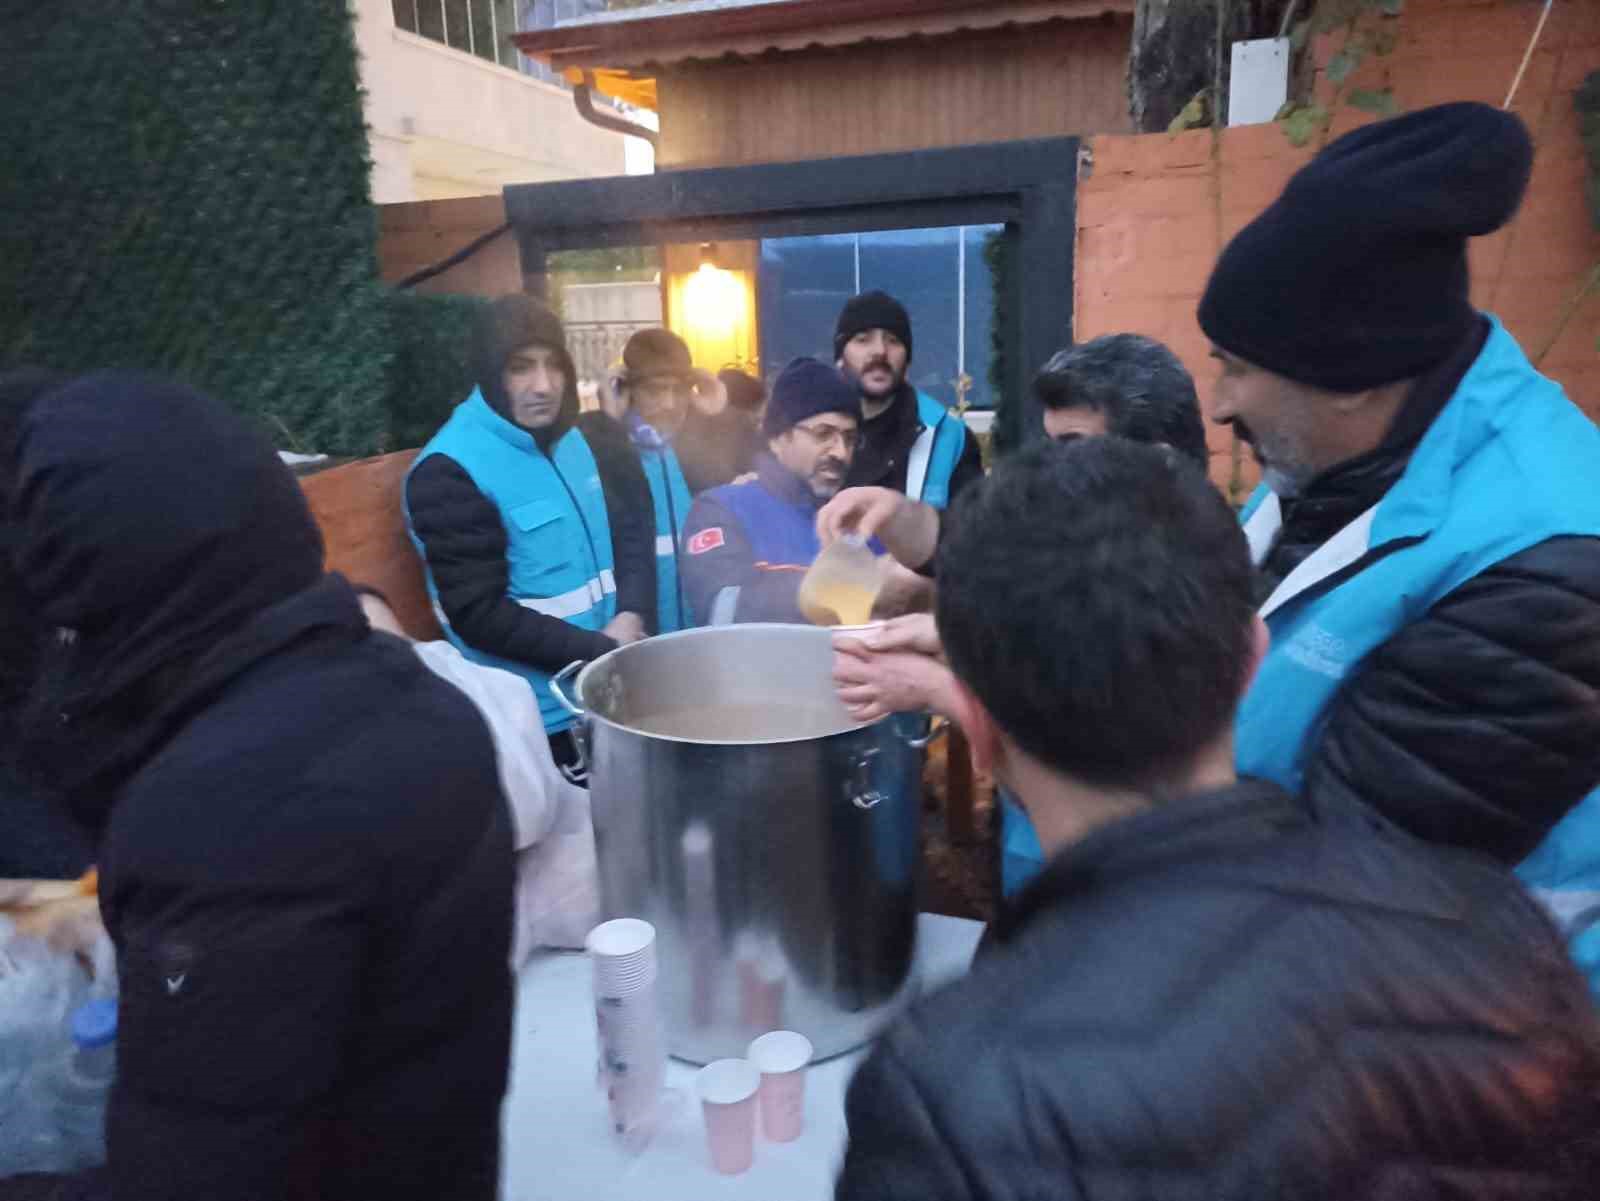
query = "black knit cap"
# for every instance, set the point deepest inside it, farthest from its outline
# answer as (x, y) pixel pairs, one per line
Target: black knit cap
(804, 389)
(872, 310)
(1357, 275)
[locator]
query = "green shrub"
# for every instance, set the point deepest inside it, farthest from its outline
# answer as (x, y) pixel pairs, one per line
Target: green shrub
(432, 372)
(185, 190)
(1587, 102)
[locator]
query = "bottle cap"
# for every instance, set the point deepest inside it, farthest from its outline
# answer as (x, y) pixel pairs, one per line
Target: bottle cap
(94, 1023)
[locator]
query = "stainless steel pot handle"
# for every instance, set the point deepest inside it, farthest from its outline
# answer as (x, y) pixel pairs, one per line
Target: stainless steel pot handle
(567, 703)
(933, 733)
(576, 773)
(859, 786)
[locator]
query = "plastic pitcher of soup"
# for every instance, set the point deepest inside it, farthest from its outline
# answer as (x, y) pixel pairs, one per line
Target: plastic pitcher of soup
(840, 587)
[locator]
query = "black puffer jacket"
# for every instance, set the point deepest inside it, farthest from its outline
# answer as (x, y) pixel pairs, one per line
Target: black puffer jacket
(305, 855)
(1220, 1000)
(1479, 725)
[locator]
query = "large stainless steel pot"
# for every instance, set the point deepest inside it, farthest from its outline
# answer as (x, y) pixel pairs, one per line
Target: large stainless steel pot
(770, 839)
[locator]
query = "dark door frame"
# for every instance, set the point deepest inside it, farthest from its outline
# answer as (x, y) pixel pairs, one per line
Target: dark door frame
(1029, 186)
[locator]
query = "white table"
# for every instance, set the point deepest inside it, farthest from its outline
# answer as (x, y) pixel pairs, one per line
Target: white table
(558, 1143)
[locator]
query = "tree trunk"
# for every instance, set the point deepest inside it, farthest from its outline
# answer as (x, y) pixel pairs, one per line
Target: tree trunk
(1174, 51)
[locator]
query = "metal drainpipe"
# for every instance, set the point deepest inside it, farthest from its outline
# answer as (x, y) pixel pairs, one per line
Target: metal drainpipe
(583, 98)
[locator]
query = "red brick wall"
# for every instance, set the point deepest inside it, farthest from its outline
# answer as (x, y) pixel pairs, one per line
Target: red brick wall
(1154, 210)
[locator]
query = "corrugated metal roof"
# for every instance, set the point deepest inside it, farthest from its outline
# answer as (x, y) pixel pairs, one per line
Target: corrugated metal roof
(661, 34)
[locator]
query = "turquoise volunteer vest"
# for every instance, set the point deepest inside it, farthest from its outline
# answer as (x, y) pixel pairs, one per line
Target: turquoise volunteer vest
(558, 537)
(1510, 462)
(935, 452)
(670, 494)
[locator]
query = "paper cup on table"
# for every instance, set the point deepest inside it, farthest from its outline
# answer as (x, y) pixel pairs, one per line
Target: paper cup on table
(728, 1089)
(782, 1058)
(623, 952)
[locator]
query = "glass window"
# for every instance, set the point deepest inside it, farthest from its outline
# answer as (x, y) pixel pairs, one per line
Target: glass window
(457, 27)
(430, 19)
(505, 17)
(978, 321)
(940, 275)
(481, 13)
(921, 269)
(484, 27)
(800, 286)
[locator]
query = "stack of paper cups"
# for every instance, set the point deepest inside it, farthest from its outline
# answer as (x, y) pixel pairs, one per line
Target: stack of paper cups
(632, 1051)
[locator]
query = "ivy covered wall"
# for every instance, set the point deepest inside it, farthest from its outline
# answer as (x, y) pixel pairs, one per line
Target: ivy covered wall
(185, 190)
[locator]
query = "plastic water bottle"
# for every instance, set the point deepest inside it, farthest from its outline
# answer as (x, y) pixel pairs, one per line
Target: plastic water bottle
(38, 989)
(72, 1090)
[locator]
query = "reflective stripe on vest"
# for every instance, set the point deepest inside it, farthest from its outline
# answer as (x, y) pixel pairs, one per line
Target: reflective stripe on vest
(558, 533)
(575, 603)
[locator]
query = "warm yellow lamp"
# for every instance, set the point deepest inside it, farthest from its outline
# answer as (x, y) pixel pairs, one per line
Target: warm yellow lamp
(711, 302)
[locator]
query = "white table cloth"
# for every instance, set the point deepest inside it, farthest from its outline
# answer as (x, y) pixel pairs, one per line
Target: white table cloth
(558, 1143)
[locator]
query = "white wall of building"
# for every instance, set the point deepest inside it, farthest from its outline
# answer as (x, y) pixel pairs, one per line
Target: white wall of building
(444, 124)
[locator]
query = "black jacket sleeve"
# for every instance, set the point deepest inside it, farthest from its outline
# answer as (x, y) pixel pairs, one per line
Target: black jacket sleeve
(896, 1149)
(630, 512)
(717, 556)
(913, 1136)
(1479, 725)
(969, 467)
(464, 540)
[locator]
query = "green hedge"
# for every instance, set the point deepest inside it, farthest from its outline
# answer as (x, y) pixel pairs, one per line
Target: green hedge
(998, 256)
(185, 189)
(432, 372)
(1587, 102)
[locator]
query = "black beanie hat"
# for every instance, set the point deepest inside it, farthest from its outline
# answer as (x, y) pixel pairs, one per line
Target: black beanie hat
(506, 325)
(804, 389)
(1357, 275)
(872, 310)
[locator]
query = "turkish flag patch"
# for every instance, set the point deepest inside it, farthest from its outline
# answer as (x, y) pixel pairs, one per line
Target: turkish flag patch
(706, 540)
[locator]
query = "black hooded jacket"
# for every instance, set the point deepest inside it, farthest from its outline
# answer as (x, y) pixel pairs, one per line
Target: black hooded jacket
(305, 856)
(1221, 999)
(463, 534)
(37, 837)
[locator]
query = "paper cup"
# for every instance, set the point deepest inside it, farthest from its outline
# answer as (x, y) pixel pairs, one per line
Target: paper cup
(623, 952)
(728, 1089)
(782, 1058)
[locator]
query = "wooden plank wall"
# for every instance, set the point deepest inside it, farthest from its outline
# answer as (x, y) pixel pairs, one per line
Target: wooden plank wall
(420, 233)
(358, 509)
(1067, 77)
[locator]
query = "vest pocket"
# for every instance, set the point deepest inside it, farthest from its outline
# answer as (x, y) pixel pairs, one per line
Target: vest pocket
(535, 514)
(544, 548)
